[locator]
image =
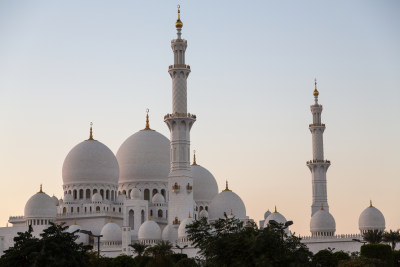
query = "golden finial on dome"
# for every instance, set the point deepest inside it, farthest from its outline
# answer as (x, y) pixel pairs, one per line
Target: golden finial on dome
(322, 206)
(149, 217)
(226, 186)
(194, 158)
(147, 128)
(91, 131)
(231, 213)
(40, 191)
(316, 93)
(370, 203)
(276, 211)
(178, 23)
(74, 222)
(111, 219)
(190, 216)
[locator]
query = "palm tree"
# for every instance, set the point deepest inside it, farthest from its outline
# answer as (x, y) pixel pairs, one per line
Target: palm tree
(392, 237)
(138, 248)
(160, 250)
(373, 236)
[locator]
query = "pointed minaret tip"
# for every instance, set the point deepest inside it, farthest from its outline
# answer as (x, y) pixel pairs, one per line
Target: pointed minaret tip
(316, 93)
(370, 203)
(231, 213)
(111, 219)
(194, 158)
(91, 131)
(276, 211)
(149, 218)
(41, 190)
(178, 23)
(74, 222)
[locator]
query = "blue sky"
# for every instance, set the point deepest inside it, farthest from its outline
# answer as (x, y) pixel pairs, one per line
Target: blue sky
(65, 64)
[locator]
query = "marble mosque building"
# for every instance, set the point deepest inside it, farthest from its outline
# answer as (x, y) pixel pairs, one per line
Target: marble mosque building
(149, 191)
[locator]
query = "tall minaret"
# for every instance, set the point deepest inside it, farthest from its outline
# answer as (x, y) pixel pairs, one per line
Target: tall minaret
(180, 181)
(318, 165)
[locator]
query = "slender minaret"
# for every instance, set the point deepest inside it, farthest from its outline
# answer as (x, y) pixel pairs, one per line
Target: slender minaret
(318, 165)
(180, 181)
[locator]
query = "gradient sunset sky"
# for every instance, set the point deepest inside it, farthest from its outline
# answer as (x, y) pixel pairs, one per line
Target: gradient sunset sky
(64, 64)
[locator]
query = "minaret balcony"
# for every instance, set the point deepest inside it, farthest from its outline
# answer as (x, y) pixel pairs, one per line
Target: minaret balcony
(176, 188)
(180, 115)
(318, 161)
(317, 124)
(179, 66)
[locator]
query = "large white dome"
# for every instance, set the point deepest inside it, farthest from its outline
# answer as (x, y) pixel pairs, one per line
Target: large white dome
(170, 233)
(144, 156)
(182, 227)
(225, 202)
(205, 187)
(40, 205)
(90, 162)
(371, 219)
(111, 232)
(149, 230)
(322, 221)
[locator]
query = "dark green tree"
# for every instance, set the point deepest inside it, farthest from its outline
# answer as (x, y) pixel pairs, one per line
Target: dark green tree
(228, 242)
(138, 248)
(160, 254)
(324, 258)
(373, 236)
(341, 256)
(123, 261)
(391, 237)
(55, 248)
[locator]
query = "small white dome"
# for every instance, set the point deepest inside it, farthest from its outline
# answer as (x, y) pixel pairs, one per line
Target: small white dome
(144, 156)
(121, 198)
(55, 199)
(322, 221)
(158, 199)
(266, 214)
(371, 219)
(82, 238)
(182, 227)
(149, 230)
(68, 198)
(205, 187)
(136, 194)
(40, 205)
(111, 232)
(276, 216)
(97, 198)
(90, 162)
(203, 214)
(170, 233)
(224, 202)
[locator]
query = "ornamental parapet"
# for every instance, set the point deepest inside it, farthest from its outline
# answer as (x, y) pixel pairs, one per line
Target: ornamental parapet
(318, 161)
(16, 217)
(179, 66)
(317, 124)
(85, 214)
(341, 236)
(180, 115)
(179, 41)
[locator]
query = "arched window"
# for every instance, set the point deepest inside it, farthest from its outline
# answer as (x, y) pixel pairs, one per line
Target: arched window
(94, 191)
(155, 191)
(75, 194)
(206, 208)
(113, 209)
(201, 208)
(64, 210)
(142, 216)
(129, 193)
(132, 219)
(77, 209)
(151, 213)
(102, 193)
(160, 213)
(163, 193)
(120, 210)
(108, 194)
(87, 193)
(85, 210)
(112, 195)
(81, 194)
(69, 192)
(72, 209)
(146, 194)
(98, 209)
(90, 209)
(124, 192)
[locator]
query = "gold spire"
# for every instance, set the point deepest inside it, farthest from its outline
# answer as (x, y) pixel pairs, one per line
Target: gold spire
(74, 222)
(275, 210)
(178, 23)
(147, 121)
(40, 191)
(231, 213)
(190, 216)
(111, 219)
(322, 206)
(370, 203)
(91, 131)
(149, 217)
(316, 93)
(194, 158)
(226, 186)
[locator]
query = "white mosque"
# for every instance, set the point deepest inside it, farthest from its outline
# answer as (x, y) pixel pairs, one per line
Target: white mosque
(149, 191)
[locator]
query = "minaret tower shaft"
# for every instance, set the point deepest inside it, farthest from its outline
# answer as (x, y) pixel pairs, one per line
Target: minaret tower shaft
(180, 181)
(318, 165)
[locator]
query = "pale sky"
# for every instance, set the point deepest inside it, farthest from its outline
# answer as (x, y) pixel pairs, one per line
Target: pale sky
(64, 64)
